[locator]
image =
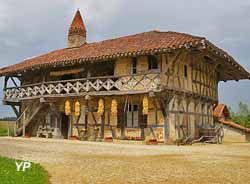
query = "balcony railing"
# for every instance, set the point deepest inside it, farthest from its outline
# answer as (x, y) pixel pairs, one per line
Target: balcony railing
(131, 84)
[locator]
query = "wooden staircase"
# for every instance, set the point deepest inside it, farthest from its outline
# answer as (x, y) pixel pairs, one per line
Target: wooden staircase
(26, 118)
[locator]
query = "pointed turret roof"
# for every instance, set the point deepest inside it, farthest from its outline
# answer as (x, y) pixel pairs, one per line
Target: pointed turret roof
(77, 25)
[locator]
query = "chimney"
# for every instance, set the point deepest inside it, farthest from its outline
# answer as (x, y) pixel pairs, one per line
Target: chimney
(77, 32)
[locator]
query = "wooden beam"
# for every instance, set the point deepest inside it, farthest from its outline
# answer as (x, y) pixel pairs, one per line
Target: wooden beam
(103, 121)
(15, 110)
(14, 82)
(164, 105)
(6, 82)
(156, 110)
(86, 114)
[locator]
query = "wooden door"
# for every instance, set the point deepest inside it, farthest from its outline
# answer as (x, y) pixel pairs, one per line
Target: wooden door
(133, 116)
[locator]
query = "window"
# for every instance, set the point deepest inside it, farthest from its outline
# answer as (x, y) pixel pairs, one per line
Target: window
(152, 63)
(185, 71)
(134, 64)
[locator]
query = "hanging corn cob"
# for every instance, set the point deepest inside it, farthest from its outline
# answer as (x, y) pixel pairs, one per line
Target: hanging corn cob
(145, 105)
(100, 107)
(114, 107)
(67, 108)
(77, 108)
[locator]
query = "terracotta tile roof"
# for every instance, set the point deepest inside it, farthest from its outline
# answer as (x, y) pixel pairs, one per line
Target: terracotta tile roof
(77, 25)
(218, 110)
(133, 45)
(93, 51)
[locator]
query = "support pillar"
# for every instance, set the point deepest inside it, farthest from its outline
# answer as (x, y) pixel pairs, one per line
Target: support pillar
(166, 122)
(24, 117)
(103, 121)
(70, 126)
(87, 98)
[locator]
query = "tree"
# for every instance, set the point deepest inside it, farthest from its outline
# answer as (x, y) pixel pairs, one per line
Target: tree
(242, 117)
(243, 109)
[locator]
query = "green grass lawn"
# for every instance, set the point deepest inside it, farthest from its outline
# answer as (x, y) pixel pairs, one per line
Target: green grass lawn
(4, 131)
(33, 175)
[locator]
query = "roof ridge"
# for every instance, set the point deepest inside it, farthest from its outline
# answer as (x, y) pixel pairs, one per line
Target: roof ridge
(153, 41)
(136, 34)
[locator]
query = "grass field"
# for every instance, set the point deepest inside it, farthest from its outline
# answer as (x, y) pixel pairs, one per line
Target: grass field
(9, 174)
(4, 128)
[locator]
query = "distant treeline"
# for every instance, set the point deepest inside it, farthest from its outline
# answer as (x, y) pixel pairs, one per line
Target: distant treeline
(242, 116)
(8, 119)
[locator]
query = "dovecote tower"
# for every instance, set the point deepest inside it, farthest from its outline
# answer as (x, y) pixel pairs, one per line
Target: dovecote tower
(77, 31)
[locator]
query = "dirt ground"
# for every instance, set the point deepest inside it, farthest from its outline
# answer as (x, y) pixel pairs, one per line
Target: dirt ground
(70, 162)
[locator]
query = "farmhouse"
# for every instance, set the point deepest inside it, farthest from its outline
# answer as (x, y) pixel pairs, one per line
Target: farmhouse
(233, 132)
(159, 85)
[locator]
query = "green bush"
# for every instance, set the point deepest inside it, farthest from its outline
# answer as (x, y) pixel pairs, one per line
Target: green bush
(241, 117)
(244, 121)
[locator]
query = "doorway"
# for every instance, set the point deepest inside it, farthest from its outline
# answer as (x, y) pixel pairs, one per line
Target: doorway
(132, 116)
(65, 126)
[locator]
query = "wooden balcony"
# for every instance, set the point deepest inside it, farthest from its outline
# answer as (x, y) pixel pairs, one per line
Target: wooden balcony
(112, 85)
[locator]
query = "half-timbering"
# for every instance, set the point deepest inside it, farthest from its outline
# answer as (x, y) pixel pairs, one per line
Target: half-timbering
(160, 85)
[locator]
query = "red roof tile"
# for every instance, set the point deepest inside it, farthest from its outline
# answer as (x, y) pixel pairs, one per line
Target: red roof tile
(138, 44)
(219, 110)
(128, 44)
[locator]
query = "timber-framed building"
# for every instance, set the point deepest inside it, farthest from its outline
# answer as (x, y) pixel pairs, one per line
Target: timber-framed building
(161, 85)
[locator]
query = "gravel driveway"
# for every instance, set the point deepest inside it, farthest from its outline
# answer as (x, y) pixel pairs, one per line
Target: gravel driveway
(70, 162)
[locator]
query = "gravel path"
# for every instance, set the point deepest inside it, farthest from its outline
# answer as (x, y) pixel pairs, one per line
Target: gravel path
(70, 162)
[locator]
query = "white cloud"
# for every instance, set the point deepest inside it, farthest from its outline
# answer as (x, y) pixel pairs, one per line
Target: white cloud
(32, 27)
(98, 10)
(4, 9)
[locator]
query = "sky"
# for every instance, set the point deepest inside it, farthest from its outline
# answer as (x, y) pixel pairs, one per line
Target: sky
(29, 28)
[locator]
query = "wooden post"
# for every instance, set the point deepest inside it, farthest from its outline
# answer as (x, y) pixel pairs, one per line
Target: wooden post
(123, 116)
(156, 111)
(56, 121)
(164, 105)
(8, 129)
(14, 82)
(123, 126)
(69, 130)
(6, 82)
(86, 113)
(188, 118)
(60, 125)
(15, 129)
(142, 119)
(166, 121)
(24, 117)
(142, 128)
(103, 121)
